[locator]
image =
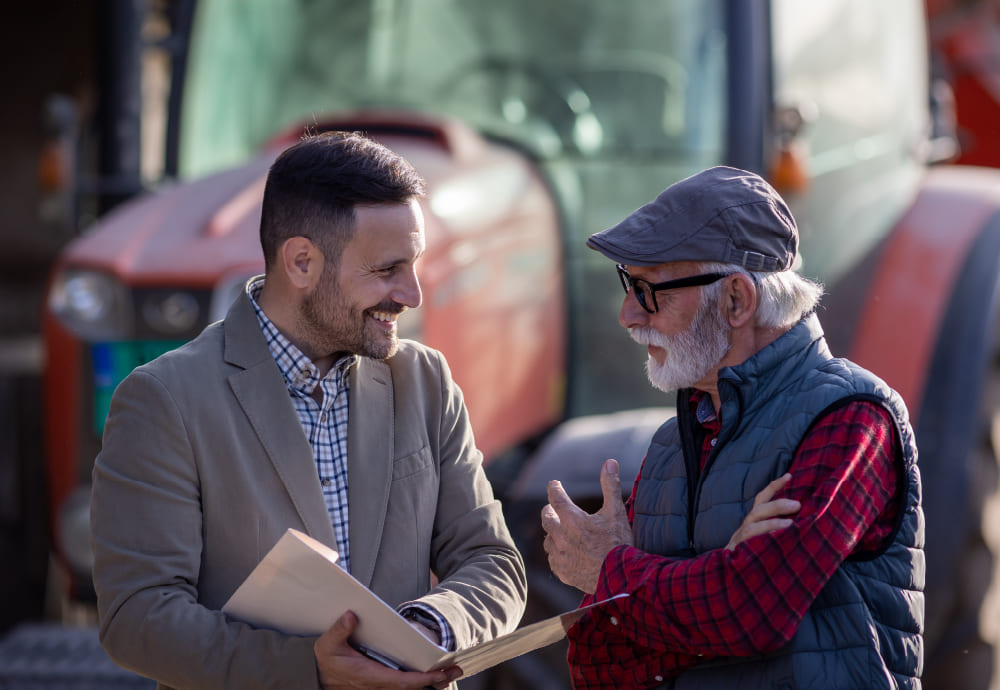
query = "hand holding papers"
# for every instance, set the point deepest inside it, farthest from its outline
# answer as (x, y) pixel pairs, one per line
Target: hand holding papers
(299, 589)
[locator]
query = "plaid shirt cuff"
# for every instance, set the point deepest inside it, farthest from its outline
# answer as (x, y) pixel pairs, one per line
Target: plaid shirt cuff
(429, 618)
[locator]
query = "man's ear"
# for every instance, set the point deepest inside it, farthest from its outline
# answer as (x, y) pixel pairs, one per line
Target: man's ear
(301, 261)
(739, 299)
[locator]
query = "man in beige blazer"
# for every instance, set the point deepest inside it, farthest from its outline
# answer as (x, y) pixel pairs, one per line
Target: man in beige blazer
(213, 450)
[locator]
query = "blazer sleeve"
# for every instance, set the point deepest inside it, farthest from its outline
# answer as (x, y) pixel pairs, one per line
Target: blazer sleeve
(482, 586)
(146, 525)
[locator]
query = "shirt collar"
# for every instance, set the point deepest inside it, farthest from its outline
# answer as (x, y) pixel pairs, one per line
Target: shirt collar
(701, 406)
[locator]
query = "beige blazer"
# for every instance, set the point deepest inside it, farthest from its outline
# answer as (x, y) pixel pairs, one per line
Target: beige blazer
(205, 464)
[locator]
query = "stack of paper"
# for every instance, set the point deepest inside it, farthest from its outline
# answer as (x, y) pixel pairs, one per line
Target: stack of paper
(298, 588)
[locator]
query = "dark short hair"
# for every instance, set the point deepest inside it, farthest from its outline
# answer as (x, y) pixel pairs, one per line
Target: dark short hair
(313, 187)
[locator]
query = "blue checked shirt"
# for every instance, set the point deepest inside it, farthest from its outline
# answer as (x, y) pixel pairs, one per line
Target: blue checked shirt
(325, 425)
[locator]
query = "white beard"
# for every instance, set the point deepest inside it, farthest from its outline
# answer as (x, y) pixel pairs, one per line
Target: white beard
(691, 355)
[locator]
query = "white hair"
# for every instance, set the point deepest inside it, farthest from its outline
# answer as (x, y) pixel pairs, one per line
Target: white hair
(785, 296)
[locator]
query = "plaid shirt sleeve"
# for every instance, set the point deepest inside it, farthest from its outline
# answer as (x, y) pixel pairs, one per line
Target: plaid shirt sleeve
(751, 599)
(432, 620)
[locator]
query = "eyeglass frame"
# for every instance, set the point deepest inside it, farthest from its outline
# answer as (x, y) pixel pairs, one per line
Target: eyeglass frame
(630, 283)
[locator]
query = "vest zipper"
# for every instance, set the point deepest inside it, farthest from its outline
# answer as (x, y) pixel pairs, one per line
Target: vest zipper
(725, 432)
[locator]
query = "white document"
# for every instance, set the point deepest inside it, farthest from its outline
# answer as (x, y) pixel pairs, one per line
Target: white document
(298, 588)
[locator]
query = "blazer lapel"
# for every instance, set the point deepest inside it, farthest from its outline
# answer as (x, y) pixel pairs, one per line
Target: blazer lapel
(369, 462)
(261, 393)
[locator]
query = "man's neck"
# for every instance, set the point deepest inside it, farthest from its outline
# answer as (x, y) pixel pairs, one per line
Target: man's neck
(280, 311)
(753, 340)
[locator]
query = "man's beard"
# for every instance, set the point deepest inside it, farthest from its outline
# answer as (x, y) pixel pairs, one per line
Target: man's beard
(691, 355)
(332, 325)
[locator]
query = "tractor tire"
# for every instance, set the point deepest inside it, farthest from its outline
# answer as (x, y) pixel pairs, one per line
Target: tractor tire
(963, 649)
(958, 439)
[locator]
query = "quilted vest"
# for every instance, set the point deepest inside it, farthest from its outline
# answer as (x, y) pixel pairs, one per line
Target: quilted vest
(865, 628)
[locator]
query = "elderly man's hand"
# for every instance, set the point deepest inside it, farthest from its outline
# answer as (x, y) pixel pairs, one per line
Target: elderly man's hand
(577, 542)
(765, 516)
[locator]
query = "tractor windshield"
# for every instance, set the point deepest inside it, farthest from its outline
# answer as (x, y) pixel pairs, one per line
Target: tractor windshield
(578, 78)
(612, 105)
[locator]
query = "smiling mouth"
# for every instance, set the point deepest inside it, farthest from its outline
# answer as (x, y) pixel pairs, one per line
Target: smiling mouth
(385, 317)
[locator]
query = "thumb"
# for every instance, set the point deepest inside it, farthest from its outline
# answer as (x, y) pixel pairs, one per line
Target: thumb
(611, 488)
(343, 627)
(335, 638)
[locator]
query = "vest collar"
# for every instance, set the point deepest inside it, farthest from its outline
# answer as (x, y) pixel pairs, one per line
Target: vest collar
(743, 386)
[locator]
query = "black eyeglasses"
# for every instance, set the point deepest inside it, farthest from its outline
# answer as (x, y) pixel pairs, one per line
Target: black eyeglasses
(645, 291)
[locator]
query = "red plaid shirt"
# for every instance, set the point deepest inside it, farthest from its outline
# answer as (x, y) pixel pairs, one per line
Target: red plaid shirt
(751, 599)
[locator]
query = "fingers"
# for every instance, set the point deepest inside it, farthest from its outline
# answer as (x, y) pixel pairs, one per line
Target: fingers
(550, 519)
(558, 498)
(765, 526)
(768, 513)
(769, 491)
(452, 673)
(775, 508)
(560, 506)
(748, 530)
(340, 665)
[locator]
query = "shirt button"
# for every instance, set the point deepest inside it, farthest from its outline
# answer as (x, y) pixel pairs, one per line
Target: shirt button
(658, 679)
(614, 621)
(327, 482)
(713, 442)
(322, 417)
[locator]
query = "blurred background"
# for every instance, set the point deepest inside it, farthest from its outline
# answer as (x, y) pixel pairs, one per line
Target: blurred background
(137, 133)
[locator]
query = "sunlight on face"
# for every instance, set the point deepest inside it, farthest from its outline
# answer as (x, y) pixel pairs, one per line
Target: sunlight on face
(692, 354)
(355, 304)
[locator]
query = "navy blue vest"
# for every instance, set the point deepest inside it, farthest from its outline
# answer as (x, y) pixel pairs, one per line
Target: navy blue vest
(864, 630)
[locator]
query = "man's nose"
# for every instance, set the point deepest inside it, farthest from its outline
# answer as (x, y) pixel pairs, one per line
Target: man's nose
(632, 313)
(408, 292)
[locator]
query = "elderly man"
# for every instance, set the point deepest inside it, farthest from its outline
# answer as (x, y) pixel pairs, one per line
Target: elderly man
(832, 598)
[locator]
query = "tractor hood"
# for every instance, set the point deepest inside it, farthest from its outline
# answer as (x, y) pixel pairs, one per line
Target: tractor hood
(189, 233)
(192, 233)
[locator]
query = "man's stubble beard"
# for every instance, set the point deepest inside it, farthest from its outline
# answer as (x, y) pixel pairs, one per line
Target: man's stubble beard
(690, 355)
(332, 325)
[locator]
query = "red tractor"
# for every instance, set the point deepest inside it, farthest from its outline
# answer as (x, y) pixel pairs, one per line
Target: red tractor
(535, 125)
(965, 57)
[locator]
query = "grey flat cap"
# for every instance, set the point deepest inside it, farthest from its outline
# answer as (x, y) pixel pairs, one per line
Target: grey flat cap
(721, 214)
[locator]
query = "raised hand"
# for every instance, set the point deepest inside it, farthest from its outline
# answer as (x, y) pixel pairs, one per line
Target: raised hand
(577, 542)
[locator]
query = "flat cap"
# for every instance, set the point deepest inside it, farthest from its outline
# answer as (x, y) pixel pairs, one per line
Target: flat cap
(721, 214)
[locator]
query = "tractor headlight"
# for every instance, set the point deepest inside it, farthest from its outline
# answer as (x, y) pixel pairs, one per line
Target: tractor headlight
(171, 312)
(94, 305)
